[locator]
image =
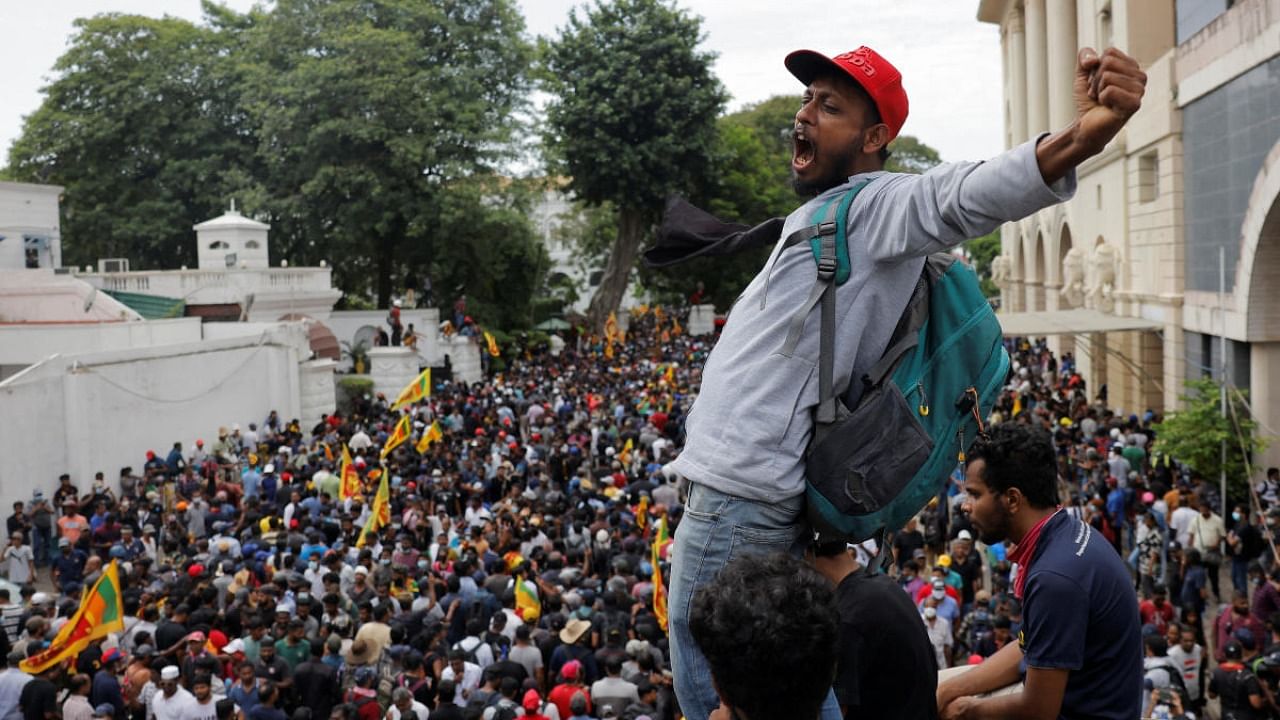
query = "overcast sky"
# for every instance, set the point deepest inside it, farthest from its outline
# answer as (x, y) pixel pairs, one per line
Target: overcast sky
(950, 62)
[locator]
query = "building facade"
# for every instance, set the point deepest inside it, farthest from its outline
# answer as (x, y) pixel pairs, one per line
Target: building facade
(1193, 177)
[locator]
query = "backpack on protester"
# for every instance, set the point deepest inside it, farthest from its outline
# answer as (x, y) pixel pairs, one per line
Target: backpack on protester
(871, 467)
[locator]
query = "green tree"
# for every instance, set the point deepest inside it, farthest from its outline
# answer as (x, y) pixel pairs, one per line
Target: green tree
(984, 250)
(1194, 435)
(907, 154)
(140, 126)
(368, 112)
(631, 119)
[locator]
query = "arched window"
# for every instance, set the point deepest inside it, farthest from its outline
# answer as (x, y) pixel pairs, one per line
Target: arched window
(218, 245)
(252, 245)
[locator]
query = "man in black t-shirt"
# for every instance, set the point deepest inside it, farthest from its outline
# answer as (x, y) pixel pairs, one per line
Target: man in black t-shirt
(39, 698)
(886, 666)
(1241, 694)
(906, 542)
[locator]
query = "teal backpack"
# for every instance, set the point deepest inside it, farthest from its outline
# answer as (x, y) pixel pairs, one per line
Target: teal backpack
(871, 467)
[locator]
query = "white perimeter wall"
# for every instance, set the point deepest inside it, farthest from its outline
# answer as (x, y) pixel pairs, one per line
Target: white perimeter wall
(104, 411)
(29, 344)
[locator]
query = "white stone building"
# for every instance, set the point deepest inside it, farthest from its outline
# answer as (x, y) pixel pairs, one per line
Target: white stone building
(1126, 275)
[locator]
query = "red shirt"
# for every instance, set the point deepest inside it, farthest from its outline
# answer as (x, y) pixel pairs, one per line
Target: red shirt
(1159, 617)
(924, 591)
(561, 695)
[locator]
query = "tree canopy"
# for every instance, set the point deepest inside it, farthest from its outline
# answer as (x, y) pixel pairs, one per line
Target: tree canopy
(632, 118)
(367, 132)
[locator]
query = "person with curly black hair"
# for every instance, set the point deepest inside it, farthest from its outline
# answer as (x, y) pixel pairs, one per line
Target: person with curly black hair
(768, 628)
(1080, 641)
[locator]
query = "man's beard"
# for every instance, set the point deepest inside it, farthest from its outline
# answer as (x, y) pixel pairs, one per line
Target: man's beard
(836, 176)
(999, 532)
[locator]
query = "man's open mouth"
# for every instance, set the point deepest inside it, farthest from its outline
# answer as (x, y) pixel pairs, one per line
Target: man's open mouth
(802, 151)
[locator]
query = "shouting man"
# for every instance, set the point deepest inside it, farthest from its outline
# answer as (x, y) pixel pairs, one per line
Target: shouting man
(749, 427)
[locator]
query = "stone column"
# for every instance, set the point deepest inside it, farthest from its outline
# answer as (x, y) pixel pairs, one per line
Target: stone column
(1037, 83)
(1061, 66)
(392, 368)
(1015, 61)
(702, 320)
(1264, 395)
(318, 393)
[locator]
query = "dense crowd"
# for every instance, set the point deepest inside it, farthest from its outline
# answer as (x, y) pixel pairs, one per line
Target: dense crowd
(247, 592)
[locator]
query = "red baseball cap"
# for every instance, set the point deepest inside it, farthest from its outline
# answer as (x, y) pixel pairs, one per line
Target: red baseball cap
(877, 76)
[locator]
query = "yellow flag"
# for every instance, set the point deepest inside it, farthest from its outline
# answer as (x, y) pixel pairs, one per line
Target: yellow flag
(657, 315)
(1017, 404)
(328, 452)
(101, 612)
(401, 433)
(432, 434)
(671, 374)
(493, 344)
(675, 327)
(414, 391)
(380, 515)
(611, 333)
(660, 539)
(528, 608)
(348, 478)
(625, 456)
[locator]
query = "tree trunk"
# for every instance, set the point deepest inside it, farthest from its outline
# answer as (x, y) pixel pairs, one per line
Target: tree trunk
(384, 273)
(617, 273)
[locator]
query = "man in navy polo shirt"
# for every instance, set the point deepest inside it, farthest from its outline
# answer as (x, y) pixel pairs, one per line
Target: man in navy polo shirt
(1079, 653)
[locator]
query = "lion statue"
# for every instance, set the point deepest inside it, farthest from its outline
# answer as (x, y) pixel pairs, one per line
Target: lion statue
(1104, 262)
(1073, 287)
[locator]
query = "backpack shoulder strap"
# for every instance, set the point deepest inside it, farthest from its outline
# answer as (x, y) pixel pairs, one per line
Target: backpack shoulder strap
(831, 244)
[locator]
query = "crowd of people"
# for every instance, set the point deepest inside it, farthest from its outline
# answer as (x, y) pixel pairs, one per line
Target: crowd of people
(247, 591)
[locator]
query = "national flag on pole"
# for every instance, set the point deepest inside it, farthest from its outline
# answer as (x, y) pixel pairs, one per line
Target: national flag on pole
(625, 456)
(493, 344)
(403, 429)
(659, 590)
(612, 333)
(348, 478)
(642, 515)
(380, 513)
(432, 434)
(101, 612)
(528, 607)
(670, 375)
(675, 327)
(328, 452)
(1017, 404)
(414, 391)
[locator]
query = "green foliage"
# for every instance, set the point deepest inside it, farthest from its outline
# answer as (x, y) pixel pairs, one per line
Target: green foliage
(632, 117)
(984, 250)
(367, 132)
(1194, 435)
(369, 113)
(907, 154)
(351, 387)
(140, 125)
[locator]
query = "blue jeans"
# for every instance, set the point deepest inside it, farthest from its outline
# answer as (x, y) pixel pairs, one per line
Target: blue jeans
(43, 546)
(715, 529)
(1240, 574)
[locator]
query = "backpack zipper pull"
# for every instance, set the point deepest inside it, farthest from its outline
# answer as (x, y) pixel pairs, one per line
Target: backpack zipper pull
(924, 400)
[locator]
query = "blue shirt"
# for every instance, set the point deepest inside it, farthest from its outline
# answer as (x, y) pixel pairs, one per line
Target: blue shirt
(250, 481)
(1080, 614)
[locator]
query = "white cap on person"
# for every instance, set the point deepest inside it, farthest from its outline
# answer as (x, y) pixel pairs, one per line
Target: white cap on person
(170, 672)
